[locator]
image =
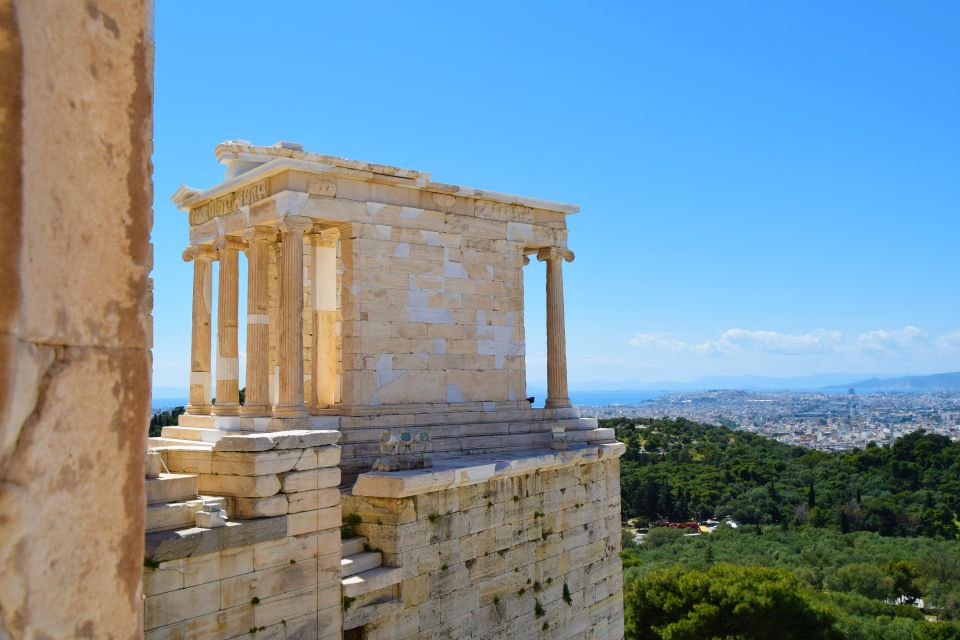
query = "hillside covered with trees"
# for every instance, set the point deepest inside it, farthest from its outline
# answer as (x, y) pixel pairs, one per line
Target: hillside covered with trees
(857, 545)
(682, 470)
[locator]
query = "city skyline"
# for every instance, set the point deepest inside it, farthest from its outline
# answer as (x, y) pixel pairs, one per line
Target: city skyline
(765, 191)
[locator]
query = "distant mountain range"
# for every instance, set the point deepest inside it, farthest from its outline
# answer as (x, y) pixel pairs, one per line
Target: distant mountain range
(830, 382)
(949, 381)
(746, 382)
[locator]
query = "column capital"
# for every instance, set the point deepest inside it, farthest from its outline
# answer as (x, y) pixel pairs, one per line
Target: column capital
(228, 242)
(259, 232)
(325, 237)
(554, 253)
(199, 252)
(295, 223)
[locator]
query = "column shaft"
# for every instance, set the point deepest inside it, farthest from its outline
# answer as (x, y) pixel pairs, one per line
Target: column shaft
(290, 402)
(259, 246)
(557, 394)
(200, 396)
(324, 360)
(228, 364)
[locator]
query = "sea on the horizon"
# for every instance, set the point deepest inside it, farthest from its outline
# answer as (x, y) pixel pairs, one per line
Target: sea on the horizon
(160, 404)
(579, 398)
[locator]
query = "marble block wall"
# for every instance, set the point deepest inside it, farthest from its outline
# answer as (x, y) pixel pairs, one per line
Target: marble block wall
(532, 556)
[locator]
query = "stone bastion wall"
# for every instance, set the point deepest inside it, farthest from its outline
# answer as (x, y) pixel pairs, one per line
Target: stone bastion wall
(535, 555)
(503, 547)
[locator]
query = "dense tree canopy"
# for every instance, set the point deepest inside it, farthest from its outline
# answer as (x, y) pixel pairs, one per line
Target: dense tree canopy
(724, 601)
(678, 469)
(858, 545)
(741, 583)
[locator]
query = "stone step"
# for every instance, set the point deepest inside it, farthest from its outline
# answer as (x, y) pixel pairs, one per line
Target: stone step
(367, 581)
(166, 516)
(196, 434)
(171, 487)
(161, 442)
(454, 432)
(360, 562)
(352, 546)
(603, 434)
(588, 423)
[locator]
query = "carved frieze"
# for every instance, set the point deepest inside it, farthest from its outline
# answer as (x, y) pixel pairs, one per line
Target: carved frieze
(443, 200)
(230, 202)
(322, 187)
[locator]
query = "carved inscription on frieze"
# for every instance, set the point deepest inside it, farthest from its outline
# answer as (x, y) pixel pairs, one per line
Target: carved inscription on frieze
(230, 202)
(487, 209)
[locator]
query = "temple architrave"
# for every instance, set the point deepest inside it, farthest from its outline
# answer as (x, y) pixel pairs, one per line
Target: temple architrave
(386, 475)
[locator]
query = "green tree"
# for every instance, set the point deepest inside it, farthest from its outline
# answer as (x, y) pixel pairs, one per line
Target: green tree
(725, 601)
(663, 535)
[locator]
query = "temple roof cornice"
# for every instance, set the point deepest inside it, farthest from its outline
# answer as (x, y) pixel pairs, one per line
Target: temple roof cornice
(264, 162)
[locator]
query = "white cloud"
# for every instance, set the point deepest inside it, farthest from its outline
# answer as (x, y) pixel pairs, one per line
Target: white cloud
(949, 340)
(734, 341)
(897, 339)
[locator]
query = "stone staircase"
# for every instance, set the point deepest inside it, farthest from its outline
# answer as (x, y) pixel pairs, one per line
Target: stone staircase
(361, 571)
(173, 501)
(362, 576)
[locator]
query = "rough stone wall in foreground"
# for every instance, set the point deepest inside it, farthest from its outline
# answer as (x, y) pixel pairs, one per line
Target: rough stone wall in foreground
(534, 556)
(75, 298)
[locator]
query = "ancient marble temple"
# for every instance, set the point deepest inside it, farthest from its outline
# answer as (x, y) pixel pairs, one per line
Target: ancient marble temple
(384, 394)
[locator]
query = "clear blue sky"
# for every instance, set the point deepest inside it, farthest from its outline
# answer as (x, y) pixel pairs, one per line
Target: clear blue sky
(766, 188)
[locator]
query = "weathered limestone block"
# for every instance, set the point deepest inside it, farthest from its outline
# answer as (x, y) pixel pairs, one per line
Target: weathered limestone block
(275, 505)
(170, 545)
(267, 583)
(310, 500)
(165, 576)
(310, 480)
(287, 605)
(277, 440)
(175, 606)
(254, 463)
(281, 552)
(216, 566)
(311, 521)
(386, 510)
(239, 486)
(317, 457)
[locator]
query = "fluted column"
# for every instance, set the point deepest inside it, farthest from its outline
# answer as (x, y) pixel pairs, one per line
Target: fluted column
(557, 394)
(290, 322)
(202, 258)
(259, 245)
(228, 364)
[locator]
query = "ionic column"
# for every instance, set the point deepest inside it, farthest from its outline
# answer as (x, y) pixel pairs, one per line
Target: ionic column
(324, 361)
(557, 394)
(228, 364)
(259, 245)
(290, 322)
(202, 258)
